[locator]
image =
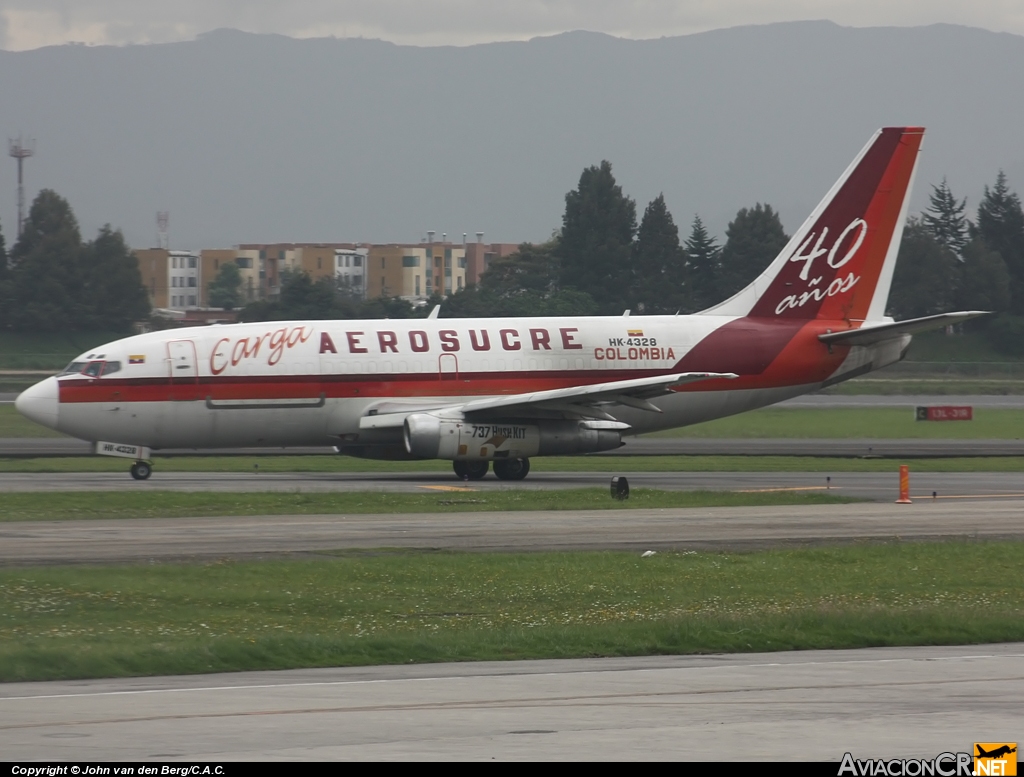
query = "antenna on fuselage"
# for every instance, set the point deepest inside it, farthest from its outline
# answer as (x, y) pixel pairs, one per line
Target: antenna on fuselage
(435, 311)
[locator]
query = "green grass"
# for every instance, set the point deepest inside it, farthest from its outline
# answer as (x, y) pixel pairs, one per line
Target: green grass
(951, 387)
(49, 350)
(71, 505)
(14, 424)
(381, 607)
(856, 423)
(609, 464)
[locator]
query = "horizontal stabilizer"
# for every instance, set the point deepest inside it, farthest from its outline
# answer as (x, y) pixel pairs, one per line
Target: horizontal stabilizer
(877, 333)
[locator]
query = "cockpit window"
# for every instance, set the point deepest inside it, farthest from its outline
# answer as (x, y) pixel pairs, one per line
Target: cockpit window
(74, 368)
(93, 369)
(110, 368)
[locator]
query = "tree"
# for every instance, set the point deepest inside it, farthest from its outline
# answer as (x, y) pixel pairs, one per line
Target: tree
(47, 278)
(112, 283)
(595, 244)
(703, 257)
(944, 219)
(530, 268)
(5, 287)
(301, 297)
(225, 291)
(924, 282)
(1001, 226)
(659, 265)
(3, 256)
(984, 280)
(754, 238)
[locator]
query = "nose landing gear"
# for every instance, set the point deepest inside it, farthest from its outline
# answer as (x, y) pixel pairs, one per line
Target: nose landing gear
(141, 470)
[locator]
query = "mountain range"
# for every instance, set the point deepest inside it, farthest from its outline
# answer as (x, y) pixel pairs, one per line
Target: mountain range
(263, 138)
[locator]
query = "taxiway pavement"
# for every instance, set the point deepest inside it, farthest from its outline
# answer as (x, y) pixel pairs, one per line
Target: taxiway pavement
(32, 447)
(809, 705)
(878, 486)
(262, 536)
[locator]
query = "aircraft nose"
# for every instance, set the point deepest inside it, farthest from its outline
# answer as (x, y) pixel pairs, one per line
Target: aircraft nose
(39, 403)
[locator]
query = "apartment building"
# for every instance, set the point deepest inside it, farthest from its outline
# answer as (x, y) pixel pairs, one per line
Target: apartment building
(415, 271)
(172, 278)
(350, 269)
(180, 280)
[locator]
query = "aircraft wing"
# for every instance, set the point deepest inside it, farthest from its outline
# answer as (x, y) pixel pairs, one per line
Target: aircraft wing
(581, 400)
(877, 333)
(586, 400)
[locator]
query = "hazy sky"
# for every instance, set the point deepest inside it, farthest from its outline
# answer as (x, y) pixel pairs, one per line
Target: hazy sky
(28, 24)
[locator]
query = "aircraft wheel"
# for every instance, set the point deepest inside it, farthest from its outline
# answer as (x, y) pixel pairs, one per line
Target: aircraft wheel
(512, 469)
(141, 470)
(470, 470)
(477, 469)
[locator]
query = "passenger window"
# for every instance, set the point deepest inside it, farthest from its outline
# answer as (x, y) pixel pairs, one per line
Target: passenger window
(93, 369)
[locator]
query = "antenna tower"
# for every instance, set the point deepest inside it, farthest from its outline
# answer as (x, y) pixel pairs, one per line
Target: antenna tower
(163, 220)
(21, 151)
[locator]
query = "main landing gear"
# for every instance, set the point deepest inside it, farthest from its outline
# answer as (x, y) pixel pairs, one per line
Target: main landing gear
(141, 470)
(505, 469)
(511, 469)
(470, 470)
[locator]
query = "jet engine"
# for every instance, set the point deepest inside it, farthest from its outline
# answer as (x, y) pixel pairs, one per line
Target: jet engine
(430, 437)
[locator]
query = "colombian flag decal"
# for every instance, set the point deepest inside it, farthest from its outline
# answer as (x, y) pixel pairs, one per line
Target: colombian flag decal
(137, 359)
(635, 332)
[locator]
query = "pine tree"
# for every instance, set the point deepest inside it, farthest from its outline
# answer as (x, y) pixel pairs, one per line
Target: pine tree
(1001, 226)
(944, 219)
(596, 239)
(3, 255)
(984, 282)
(703, 257)
(113, 283)
(924, 282)
(754, 238)
(5, 286)
(659, 265)
(47, 278)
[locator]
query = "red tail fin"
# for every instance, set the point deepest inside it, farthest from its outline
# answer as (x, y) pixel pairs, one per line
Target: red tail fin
(839, 264)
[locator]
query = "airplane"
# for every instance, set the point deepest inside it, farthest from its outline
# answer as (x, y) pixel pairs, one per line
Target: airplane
(503, 390)
(999, 751)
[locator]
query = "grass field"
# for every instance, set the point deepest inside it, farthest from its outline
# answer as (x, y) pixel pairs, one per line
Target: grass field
(856, 423)
(374, 608)
(47, 350)
(21, 506)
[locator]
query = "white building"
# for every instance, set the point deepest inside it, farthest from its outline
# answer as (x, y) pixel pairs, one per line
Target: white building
(183, 280)
(350, 269)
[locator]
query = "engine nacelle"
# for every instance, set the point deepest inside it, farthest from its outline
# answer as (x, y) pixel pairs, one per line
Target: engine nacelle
(430, 437)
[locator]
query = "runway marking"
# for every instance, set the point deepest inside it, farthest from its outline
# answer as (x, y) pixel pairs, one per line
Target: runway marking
(448, 488)
(326, 683)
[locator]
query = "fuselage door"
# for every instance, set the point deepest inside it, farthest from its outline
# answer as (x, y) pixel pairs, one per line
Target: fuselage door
(183, 366)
